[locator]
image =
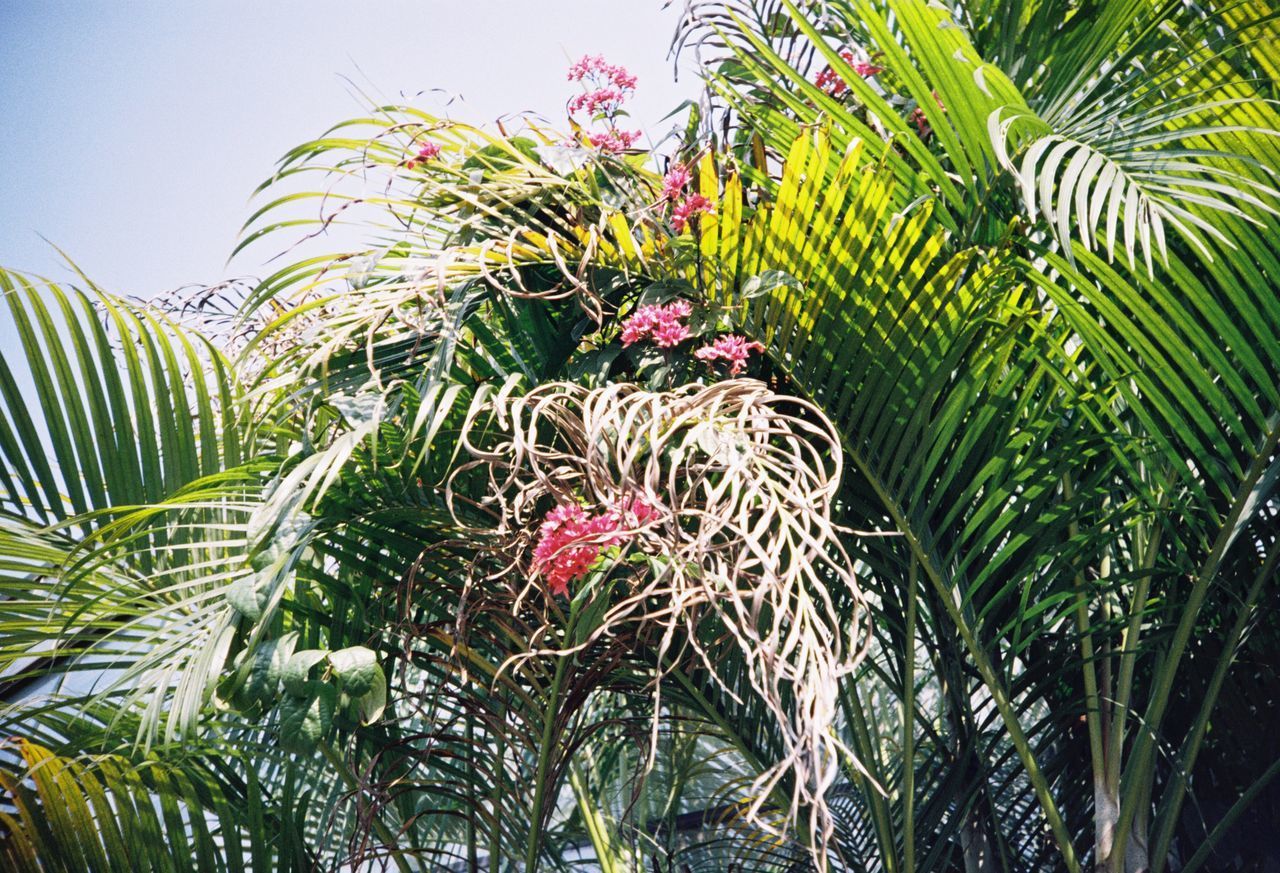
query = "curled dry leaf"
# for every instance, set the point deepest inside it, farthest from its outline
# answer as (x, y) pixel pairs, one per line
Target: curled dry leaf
(740, 481)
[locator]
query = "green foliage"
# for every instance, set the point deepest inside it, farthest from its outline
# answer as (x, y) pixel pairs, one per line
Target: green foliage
(113, 814)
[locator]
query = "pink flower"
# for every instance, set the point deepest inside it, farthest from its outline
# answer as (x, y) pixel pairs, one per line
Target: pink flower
(613, 140)
(662, 324)
(641, 324)
(921, 121)
(731, 348)
(695, 204)
(563, 552)
(676, 180)
(426, 151)
(638, 507)
(829, 80)
(570, 540)
(669, 334)
(585, 66)
(607, 87)
(633, 511)
(595, 67)
(602, 100)
(678, 309)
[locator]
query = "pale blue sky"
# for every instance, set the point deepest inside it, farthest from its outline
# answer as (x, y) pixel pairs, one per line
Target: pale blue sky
(136, 131)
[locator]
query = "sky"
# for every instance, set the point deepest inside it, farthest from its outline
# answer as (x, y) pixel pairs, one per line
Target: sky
(135, 132)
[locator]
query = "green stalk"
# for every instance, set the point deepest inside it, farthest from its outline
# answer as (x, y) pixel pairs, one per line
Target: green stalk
(714, 714)
(473, 854)
(1144, 746)
(780, 796)
(607, 854)
(1040, 785)
(908, 726)
(379, 826)
(1093, 706)
(880, 818)
(1129, 644)
(495, 802)
(1017, 736)
(544, 761)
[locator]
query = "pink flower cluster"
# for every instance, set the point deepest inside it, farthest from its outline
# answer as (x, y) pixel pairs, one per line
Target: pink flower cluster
(602, 101)
(595, 68)
(694, 204)
(731, 348)
(427, 151)
(570, 540)
(829, 80)
(675, 181)
(608, 86)
(921, 121)
(613, 140)
(674, 184)
(662, 324)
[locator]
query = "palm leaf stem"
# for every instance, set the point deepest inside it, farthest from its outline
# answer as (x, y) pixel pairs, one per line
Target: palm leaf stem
(1138, 785)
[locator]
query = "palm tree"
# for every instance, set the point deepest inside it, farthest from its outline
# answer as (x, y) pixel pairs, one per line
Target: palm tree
(969, 569)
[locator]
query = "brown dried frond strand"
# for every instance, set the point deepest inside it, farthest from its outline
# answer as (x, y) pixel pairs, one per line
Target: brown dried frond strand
(743, 480)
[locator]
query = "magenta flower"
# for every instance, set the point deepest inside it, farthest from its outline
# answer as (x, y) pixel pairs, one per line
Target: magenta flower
(679, 308)
(694, 204)
(676, 180)
(829, 80)
(669, 334)
(601, 100)
(640, 324)
(921, 121)
(427, 151)
(585, 66)
(662, 324)
(595, 67)
(613, 140)
(731, 348)
(564, 552)
(570, 540)
(638, 508)
(607, 86)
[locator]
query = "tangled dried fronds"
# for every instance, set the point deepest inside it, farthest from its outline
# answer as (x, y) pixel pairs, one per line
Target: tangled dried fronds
(737, 484)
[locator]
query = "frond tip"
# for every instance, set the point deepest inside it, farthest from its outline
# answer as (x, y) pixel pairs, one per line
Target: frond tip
(1069, 182)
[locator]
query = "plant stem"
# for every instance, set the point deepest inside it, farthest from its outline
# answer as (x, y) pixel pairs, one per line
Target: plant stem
(1094, 714)
(908, 725)
(872, 787)
(607, 854)
(544, 760)
(1143, 775)
(999, 695)
(496, 797)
